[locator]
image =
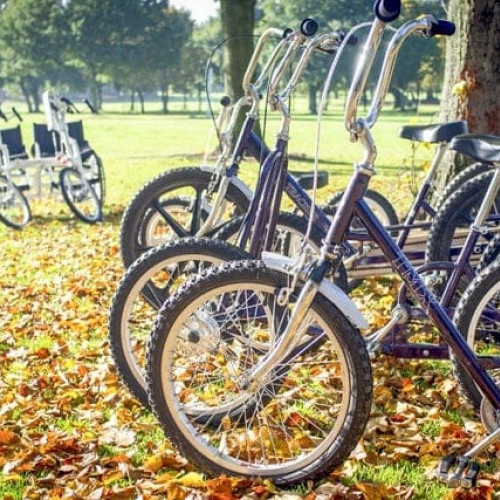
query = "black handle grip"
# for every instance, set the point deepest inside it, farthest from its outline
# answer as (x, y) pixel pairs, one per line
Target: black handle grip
(442, 27)
(2, 115)
(352, 40)
(225, 101)
(93, 110)
(286, 33)
(16, 113)
(308, 27)
(387, 10)
(66, 101)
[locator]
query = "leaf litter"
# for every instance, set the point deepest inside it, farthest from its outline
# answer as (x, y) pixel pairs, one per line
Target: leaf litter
(69, 429)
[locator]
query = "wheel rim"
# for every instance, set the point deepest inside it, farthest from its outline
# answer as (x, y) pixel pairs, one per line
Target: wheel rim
(483, 334)
(146, 297)
(301, 407)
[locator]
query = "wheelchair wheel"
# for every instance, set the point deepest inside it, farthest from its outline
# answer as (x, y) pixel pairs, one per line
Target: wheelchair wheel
(94, 172)
(14, 209)
(80, 195)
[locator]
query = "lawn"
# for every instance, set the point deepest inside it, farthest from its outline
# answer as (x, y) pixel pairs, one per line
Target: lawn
(70, 429)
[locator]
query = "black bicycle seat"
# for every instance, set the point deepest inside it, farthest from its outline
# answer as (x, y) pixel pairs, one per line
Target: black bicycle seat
(440, 132)
(481, 147)
(306, 179)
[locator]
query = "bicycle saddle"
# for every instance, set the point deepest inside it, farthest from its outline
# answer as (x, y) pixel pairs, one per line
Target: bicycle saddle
(481, 147)
(441, 132)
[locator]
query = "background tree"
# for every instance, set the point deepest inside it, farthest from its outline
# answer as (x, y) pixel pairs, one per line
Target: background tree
(472, 74)
(168, 32)
(33, 38)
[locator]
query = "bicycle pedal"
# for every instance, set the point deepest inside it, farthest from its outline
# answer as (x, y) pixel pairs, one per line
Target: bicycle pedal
(458, 471)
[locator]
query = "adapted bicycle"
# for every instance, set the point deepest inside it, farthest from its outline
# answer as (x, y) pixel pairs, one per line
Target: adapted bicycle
(149, 281)
(259, 368)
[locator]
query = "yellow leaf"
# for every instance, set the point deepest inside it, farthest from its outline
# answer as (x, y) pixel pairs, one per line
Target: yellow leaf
(154, 463)
(191, 480)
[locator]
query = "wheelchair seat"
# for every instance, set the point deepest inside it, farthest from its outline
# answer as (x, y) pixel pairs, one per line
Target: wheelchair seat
(13, 139)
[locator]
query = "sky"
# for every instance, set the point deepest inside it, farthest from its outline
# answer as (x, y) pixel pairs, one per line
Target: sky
(201, 10)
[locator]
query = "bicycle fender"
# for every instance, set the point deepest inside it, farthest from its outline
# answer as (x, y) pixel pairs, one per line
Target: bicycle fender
(327, 288)
(236, 181)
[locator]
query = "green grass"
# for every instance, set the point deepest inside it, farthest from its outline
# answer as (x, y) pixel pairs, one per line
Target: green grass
(402, 473)
(135, 147)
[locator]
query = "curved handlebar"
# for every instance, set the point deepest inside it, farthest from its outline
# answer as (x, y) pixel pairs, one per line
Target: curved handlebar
(387, 10)
(426, 26)
(3, 116)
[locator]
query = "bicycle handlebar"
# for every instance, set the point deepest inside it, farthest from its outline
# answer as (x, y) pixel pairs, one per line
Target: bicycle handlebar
(387, 11)
(427, 26)
(3, 116)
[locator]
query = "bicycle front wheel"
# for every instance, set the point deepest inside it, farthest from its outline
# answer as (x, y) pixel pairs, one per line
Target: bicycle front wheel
(80, 195)
(14, 209)
(299, 420)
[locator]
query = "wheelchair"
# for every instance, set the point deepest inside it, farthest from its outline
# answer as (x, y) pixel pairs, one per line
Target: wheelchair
(61, 162)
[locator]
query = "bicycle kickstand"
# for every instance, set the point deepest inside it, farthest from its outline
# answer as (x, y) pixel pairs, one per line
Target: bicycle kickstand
(462, 470)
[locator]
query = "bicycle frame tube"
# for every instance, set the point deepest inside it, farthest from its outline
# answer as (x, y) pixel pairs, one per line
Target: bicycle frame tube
(426, 299)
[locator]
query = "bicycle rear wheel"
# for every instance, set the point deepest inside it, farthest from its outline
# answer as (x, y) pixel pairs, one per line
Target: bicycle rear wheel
(299, 421)
(478, 318)
(148, 282)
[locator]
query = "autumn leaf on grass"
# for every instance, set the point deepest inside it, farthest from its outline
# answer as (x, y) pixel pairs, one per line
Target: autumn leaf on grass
(191, 480)
(119, 437)
(8, 437)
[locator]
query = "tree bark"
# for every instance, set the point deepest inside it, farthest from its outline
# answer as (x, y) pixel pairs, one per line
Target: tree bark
(237, 19)
(472, 73)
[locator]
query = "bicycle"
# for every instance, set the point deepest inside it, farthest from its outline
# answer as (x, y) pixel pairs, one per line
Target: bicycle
(233, 380)
(151, 278)
(190, 201)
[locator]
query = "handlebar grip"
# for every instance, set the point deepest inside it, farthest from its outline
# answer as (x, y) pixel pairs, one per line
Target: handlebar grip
(387, 10)
(286, 33)
(93, 110)
(308, 27)
(65, 100)
(225, 101)
(352, 40)
(442, 27)
(16, 113)
(2, 115)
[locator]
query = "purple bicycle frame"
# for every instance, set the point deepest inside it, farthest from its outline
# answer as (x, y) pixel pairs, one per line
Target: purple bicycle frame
(352, 204)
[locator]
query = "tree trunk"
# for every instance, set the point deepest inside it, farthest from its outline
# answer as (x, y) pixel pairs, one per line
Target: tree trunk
(312, 92)
(26, 96)
(237, 19)
(132, 101)
(472, 73)
(141, 100)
